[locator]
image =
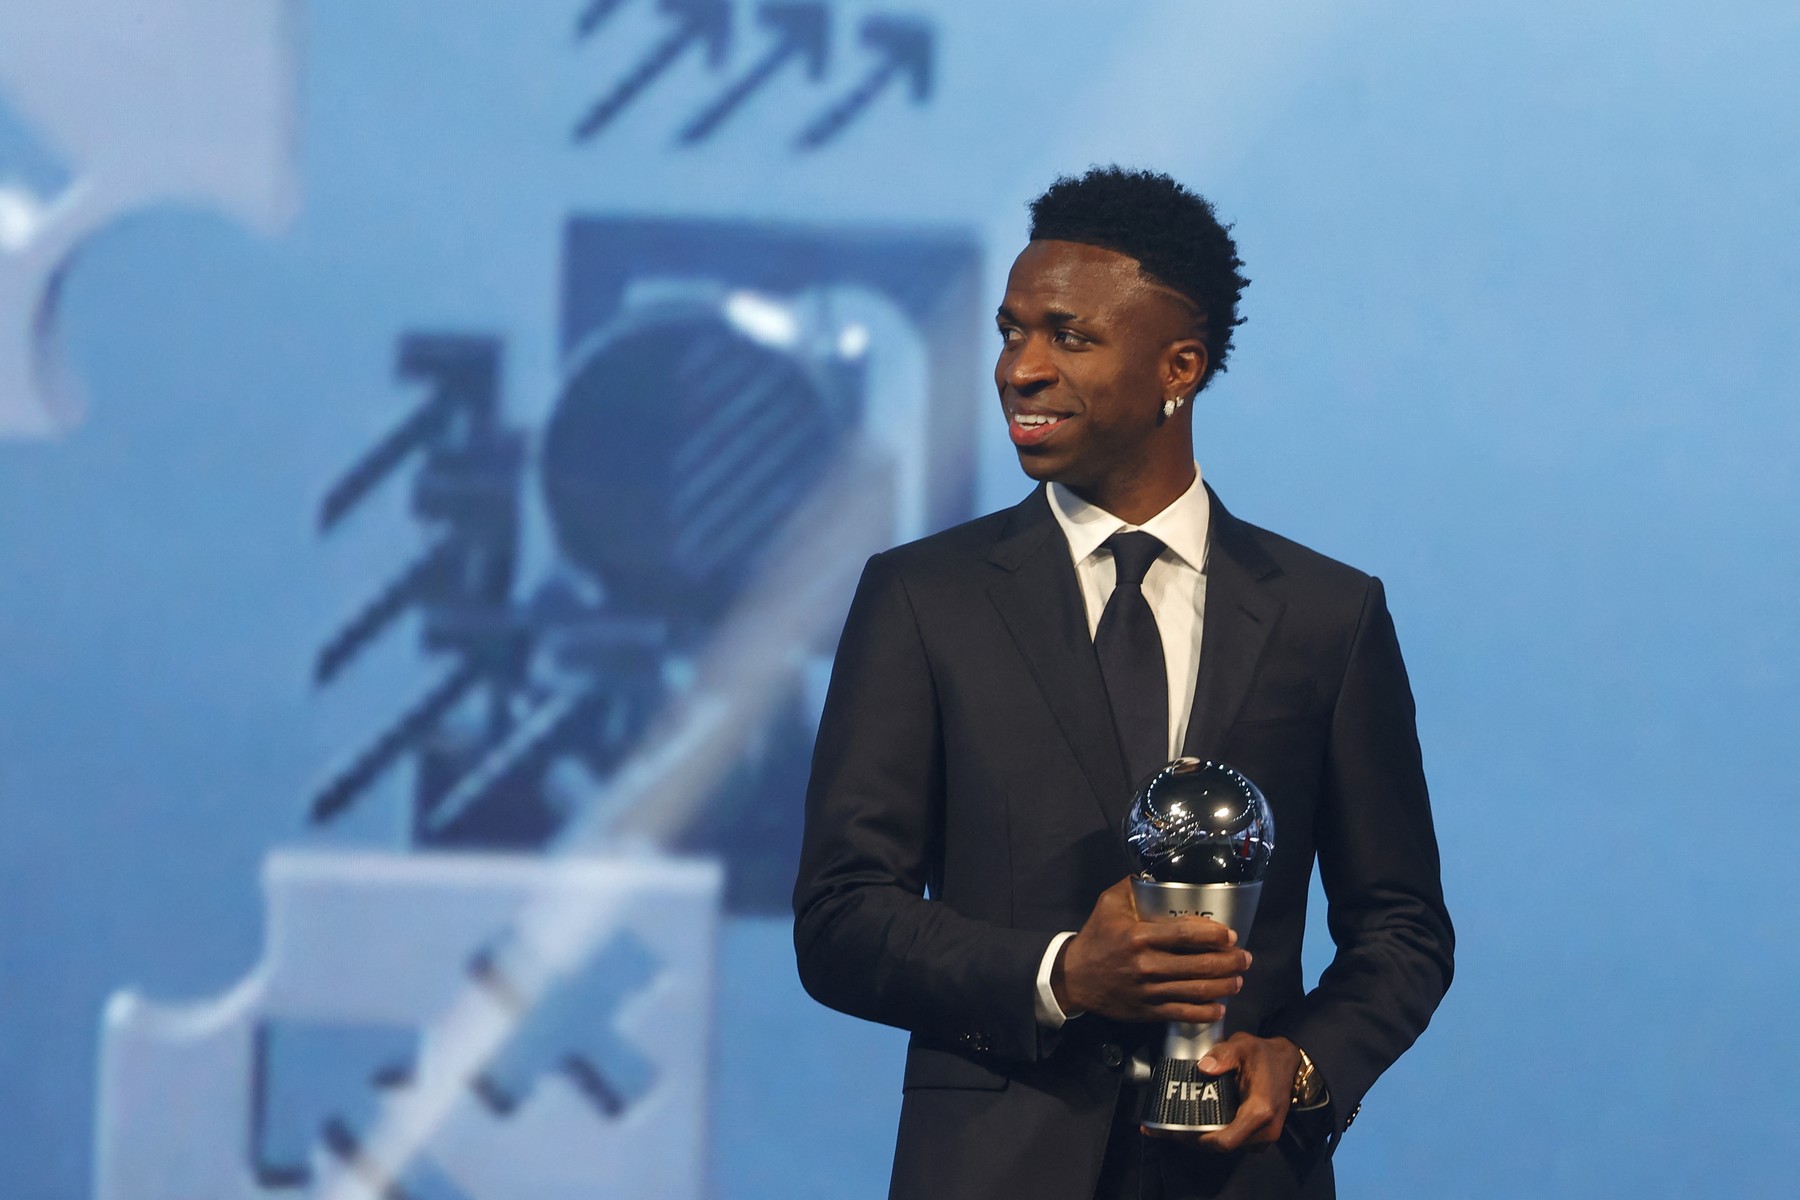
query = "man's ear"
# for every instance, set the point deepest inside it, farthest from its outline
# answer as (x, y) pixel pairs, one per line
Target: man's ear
(1185, 366)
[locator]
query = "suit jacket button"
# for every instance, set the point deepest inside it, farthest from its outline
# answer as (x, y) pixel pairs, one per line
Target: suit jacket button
(1111, 1054)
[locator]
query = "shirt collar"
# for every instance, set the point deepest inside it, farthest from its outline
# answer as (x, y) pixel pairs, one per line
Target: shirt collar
(1182, 526)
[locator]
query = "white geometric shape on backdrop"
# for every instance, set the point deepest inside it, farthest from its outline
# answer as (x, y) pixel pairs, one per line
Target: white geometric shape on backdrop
(370, 951)
(143, 102)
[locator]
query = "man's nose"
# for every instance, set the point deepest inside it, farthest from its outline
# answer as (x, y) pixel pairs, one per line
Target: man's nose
(1031, 369)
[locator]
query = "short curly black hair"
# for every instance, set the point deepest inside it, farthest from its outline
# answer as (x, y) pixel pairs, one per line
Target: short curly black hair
(1173, 233)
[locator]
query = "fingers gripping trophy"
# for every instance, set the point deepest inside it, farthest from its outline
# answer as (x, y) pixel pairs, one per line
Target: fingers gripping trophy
(1200, 836)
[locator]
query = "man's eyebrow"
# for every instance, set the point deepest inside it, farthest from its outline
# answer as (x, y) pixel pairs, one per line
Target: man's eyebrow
(1055, 316)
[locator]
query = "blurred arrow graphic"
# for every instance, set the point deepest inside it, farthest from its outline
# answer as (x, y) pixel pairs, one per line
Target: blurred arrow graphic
(904, 47)
(594, 15)
(801, 30)
(318, 1082)
(698, 22)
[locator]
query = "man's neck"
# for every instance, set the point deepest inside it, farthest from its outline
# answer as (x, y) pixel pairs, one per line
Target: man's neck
(1135, 501)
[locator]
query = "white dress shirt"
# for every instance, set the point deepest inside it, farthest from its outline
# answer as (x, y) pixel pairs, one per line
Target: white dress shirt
(1175, 588)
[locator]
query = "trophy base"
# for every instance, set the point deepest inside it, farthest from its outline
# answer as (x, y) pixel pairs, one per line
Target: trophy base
(1184, 1099)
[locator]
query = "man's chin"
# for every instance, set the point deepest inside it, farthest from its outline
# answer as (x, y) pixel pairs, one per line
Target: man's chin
(1041, 466)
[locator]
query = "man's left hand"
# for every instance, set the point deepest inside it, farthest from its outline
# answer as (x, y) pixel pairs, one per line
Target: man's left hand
(1265, 1072)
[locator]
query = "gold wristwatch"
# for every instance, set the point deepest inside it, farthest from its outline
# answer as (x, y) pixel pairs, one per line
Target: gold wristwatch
(1308, 1083)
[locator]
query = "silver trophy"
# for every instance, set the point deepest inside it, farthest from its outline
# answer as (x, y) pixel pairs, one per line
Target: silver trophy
(1201, 836)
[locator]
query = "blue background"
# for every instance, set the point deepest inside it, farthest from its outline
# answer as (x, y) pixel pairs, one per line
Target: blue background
(1521, 340)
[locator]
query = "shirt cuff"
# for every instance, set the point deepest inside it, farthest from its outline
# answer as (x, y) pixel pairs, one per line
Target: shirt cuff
(1049, 1013)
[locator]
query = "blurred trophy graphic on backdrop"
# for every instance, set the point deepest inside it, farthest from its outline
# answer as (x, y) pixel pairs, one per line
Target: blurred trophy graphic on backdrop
(1200, 836)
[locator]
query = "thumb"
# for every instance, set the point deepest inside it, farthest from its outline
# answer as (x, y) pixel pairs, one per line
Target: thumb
(1222, 1059)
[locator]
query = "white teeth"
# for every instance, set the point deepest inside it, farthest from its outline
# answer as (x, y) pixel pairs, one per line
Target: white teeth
(1028, 420)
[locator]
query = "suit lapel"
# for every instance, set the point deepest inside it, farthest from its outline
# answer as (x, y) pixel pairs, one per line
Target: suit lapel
(1040, 602)
(1240, 616)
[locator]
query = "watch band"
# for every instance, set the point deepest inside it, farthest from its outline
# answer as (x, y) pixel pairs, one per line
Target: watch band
(1309, 1084)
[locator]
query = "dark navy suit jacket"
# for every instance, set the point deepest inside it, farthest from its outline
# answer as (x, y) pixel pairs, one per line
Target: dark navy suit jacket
(965, 805)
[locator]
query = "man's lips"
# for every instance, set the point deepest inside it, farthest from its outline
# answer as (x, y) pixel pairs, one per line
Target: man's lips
(1029, 429)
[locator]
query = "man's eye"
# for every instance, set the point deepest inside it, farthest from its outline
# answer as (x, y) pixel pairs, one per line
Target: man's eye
(1068, 337)
(1008, 334)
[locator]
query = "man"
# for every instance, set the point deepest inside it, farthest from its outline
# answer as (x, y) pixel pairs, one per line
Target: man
(1001, 686)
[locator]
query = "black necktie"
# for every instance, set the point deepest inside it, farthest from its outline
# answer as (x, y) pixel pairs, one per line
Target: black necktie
(1131, 657)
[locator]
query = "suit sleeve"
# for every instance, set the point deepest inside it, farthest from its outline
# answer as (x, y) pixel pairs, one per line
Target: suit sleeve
(1378, 861)
(867, 940)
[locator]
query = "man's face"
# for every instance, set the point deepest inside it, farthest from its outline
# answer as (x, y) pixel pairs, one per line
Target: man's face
(1090, 349)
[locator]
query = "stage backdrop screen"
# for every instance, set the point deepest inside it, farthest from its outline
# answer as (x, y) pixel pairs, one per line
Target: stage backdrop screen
(438, 442)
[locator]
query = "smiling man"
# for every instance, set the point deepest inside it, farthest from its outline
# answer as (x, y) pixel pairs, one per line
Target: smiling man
(1000, 687)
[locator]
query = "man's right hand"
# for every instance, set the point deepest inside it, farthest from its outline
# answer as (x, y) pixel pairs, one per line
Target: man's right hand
(1134, 970)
